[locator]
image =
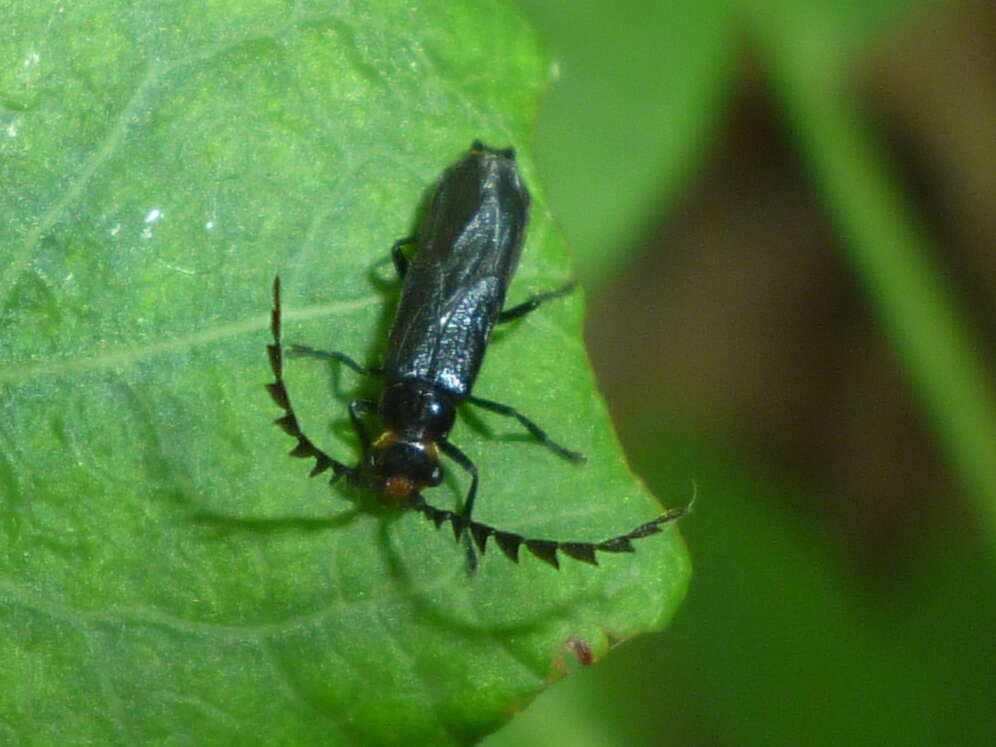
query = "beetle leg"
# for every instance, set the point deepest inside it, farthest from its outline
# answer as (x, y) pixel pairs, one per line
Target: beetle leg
(464, 461)
(355, 407)
(538, 433)
(304, 351)
(398, 256)
(534, 302)
(462, 521)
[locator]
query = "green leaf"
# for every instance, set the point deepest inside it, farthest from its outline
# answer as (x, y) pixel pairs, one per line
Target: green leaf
(168, 573)
(635, 104)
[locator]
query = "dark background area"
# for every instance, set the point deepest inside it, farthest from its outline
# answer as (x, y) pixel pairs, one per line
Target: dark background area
(843, 588)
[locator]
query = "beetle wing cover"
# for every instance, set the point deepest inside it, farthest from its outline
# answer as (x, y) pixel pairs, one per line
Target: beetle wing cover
(455, 286)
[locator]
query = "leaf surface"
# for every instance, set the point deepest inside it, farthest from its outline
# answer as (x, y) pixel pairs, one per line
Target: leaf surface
(168, 572)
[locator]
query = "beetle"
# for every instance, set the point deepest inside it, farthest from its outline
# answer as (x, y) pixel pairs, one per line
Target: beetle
(452, 296)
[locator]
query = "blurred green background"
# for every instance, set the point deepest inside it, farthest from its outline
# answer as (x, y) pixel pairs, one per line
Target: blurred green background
(799, 317)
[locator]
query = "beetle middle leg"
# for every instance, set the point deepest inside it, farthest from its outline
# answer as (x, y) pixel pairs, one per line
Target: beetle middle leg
(538, 433)
(305, 351)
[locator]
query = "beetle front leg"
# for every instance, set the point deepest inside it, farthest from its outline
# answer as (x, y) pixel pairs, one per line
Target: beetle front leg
(464, 461)
(356, 407)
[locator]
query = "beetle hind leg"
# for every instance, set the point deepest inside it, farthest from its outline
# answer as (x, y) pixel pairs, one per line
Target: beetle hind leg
(538, 433)
(399, 258)
(534, 302)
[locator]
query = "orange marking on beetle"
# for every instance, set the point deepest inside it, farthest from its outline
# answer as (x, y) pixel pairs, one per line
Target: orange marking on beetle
(385, 439)
(398, 487)
(431, 449)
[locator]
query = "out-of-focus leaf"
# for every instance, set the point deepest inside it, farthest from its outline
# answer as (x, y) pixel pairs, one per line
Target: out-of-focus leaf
(777, 639)
(638, 89)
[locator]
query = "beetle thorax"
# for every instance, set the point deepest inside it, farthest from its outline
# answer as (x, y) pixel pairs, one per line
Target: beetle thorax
(419, 412)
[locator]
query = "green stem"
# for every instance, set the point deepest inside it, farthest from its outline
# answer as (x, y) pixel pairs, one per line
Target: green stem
(894, 259)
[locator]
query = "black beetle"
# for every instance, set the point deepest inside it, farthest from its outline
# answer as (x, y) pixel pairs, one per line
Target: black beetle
(452, 296)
